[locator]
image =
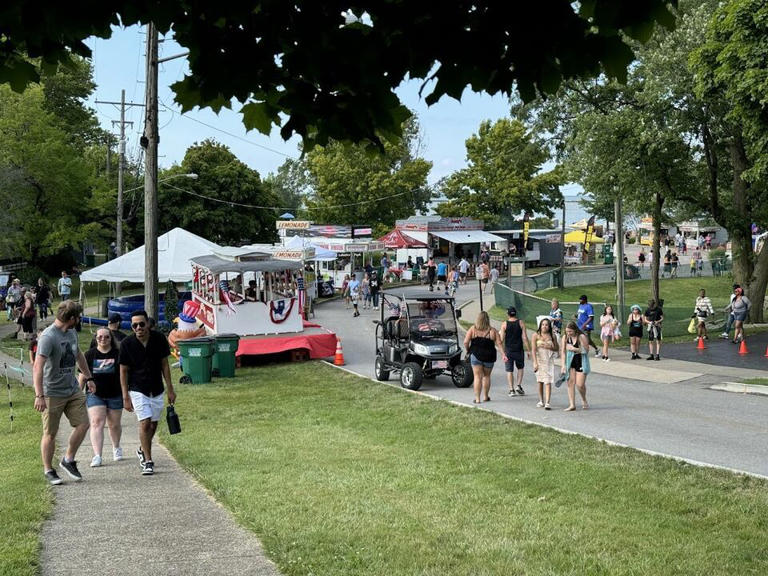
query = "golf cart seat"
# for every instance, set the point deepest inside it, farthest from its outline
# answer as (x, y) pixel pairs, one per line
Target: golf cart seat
(397, 329)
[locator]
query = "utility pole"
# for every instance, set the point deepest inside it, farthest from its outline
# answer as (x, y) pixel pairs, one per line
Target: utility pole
(619, 232)
(120, 171)
(150, 178)
(562, 249)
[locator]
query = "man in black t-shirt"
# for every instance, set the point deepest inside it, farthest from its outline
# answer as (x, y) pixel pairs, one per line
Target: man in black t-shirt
(143, 367)
(653, 318)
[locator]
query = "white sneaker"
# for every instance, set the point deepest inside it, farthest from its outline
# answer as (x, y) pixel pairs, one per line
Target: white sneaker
(96, 462)
(696, 339)
(117, 454)
(540, 404)
(724, 335)
(597, 354)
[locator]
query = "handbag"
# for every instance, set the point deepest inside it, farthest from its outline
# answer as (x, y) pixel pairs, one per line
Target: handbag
(692, 326)
(174, 426)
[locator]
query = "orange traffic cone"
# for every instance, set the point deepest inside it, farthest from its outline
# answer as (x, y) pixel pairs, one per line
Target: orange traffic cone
(339, 359)
(700, 345)
(743, 348)
(766, 351)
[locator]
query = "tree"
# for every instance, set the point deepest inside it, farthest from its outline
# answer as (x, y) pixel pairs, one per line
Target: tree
(330, 68)
(730, 77)
(226, 204)
(45, 185)
(290, 185)
(352, 185)
(504, 177)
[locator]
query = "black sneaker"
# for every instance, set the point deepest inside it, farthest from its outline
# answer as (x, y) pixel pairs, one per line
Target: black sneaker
(53, 478)
(71, 469)
(651, 357)
(657, 357)
(148, 468)
(520, 391)
(140, 456)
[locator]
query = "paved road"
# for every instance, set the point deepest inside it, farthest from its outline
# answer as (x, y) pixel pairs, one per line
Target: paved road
(665, 407)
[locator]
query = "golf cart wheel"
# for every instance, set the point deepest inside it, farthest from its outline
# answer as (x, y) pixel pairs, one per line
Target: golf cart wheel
(185, 380)
(462, 375)
(382, 375)
(411, 376)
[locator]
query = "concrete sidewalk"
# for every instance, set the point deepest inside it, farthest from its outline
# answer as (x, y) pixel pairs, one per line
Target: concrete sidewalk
(116, 521)
(667, 370)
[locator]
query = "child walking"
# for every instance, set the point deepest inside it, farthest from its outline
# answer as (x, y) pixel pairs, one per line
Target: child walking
(607, 330)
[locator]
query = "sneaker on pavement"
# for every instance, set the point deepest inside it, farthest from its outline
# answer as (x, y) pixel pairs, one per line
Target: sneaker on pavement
(724, 335)
(117, 454)
(53, 478)
(512, 392)
(651, 357)
(547, 406)
(540, 404)
(140, 455)
(71, 469)
(520, 391)
(597, 353)
(148, 468)
(96, 461)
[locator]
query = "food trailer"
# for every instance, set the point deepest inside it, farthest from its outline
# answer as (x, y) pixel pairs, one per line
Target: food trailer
(275, 306)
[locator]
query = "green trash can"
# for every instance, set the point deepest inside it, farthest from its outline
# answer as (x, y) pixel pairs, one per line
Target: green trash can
(196, 359)
(224, 359)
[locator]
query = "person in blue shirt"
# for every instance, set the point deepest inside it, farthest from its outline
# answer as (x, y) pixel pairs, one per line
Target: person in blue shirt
(442, 276)
(585, 320)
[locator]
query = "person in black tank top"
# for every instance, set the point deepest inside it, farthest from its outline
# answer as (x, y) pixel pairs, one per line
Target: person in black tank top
(515, 339)
(481, 343)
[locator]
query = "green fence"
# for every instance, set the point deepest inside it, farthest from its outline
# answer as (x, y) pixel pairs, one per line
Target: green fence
(528, 307)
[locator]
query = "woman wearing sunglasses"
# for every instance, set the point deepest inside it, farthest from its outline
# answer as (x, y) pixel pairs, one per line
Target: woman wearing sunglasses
(105, 399)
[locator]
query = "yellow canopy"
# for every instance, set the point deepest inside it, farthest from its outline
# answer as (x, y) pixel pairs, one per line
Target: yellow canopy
(577, 237)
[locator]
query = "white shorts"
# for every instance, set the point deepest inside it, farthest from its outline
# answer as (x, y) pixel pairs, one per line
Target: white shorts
(145, 407)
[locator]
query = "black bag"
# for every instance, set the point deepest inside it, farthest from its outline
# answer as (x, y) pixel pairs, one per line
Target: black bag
(174, 426)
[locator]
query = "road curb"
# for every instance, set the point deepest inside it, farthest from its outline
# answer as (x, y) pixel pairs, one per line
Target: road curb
(741, 388)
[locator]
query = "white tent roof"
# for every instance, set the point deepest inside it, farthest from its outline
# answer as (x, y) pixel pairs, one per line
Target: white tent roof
(174, 250)
(321, 254)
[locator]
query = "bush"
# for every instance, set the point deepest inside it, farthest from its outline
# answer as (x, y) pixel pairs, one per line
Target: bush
(716, 254)
(30, 274)
(631, 240)
(171, 301)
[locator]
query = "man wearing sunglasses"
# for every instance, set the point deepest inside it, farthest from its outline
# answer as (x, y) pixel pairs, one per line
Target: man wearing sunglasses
(143, 366)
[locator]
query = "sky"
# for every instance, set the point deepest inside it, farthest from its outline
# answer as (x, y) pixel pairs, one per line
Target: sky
(119, 63)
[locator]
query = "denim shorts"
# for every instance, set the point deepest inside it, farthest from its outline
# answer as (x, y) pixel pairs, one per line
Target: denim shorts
(475, 362)
(740, 316)
(115, 403)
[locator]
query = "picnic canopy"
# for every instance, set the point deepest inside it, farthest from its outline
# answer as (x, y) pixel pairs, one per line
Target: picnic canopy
(578, 237)
(299, 243)
(396, 239)
(175, 249)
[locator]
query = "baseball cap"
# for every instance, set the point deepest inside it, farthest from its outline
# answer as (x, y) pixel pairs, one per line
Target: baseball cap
(583, 297)
(512, 311)
(114, 317)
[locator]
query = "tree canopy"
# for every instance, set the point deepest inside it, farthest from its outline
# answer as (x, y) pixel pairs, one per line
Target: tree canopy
(352, 185)
(227, 202)
(504, 177)
(327, 70)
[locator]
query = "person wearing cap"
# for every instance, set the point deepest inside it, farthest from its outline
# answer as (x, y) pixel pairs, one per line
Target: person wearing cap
(515, 340)
(113, 324)
(635, 324)
(585, 320)
(13, 297)
(730, 320)
(653, 318)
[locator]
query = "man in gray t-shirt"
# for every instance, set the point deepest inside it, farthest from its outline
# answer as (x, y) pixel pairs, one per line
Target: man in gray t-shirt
(57, 391)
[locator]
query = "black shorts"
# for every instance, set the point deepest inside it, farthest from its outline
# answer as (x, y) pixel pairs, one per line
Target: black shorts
(514, 360)
(635, 332)
(441, 278)
(462, 275)
(654, 333)
(576, 363)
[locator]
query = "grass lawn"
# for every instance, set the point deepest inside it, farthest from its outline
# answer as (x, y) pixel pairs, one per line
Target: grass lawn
(339, 475)
(25, 498)
(756, 381)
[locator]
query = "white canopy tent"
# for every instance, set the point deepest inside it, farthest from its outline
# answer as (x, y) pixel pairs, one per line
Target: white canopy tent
(175, 249)
(321, 254)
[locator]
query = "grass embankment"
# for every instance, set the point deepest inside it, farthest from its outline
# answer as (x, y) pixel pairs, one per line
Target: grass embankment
(338, 475)
(756, 381)
(25, 498)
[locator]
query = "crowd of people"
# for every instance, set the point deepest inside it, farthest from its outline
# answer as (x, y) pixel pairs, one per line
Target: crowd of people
(119, 372)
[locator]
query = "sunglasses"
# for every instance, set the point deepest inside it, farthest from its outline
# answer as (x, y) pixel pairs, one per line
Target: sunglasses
(138, 325)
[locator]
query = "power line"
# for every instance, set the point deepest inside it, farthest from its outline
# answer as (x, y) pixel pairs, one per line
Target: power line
(232, 203)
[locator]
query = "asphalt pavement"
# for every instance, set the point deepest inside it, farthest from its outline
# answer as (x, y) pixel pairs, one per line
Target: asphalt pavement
(664, 407)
